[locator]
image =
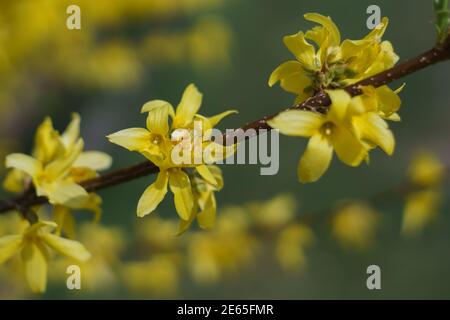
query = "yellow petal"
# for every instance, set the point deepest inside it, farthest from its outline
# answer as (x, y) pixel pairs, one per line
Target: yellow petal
(285, 70)
(388, 101)
(206, 174)
(62, 165)
(297, 122)
(340, 101)
(72, 132)
(348, 148)
(153, 195)
(35, 265)
(328, 24)
(297, 83)
(15, 181)
(158, 118)
(69, 248)
(316, 159)
(189, 105)
(67, 193)
(207, 216)
(94, 160)
(180, 186)
(301, 49)
(372, 127)
(133, 139)
(9, 246)
(156, 104)
(23, 162)
(214, 120)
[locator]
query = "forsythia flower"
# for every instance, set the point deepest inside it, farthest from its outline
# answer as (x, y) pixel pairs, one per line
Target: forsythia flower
(291, 245)
(222, 250)
(351, 127)
(333, 64)
(354, 225)
(157, 276)
(274, 213)
(426, 172)
(56, 166)
(162, 141)
(33, 245)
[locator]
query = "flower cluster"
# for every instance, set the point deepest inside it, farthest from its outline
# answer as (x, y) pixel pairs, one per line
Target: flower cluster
(54, 170)
(351, 126)
(164, 143)
(332, 63)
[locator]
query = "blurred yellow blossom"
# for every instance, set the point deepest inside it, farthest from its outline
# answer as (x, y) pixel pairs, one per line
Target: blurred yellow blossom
(33, 244)
(354, 225)
(102, 271)
(275, 212)
(291, 244)
(57, 165)
(426, 172)
(159, 276)
(222, 250)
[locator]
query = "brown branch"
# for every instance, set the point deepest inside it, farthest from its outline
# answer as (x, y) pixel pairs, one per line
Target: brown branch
(318, 103)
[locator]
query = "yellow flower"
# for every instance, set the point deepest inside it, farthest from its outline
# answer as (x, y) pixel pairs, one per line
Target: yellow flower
(351, 127)
(205, 205)
(328, 132)
(56, 166)
(354, 225)
(101, 272)
(291, 245)
(222, 250)
(421, 209)
(157, 276)
(33, 245)
(426, 170)
(274, 213)
(158, 142)
(333, 64)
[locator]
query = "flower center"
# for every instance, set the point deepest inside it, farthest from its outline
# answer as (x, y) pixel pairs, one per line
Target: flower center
(327, 129)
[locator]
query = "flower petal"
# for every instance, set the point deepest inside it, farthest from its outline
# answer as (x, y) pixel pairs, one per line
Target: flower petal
(133, 139)
(340, 101)
(180, 185)
(94, 160)
(23, 162)
(189, 105)
(62, 165)
(372, 127)
(316, 159)
(207, 216)
(35, 264)
(285, 70)
(67, 193)
(158, 118)
(297, 122)
(153, 195)
(301, 49)
(204, 172)
(328, 24)
(347, 146)
(72, 132)
(214, 120)
(9, 246)
(69, 248)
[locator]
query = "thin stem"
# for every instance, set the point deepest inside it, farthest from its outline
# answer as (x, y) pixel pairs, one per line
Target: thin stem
(318, 103)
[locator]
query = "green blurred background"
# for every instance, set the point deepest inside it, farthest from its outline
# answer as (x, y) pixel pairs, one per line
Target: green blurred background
(235, 76)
